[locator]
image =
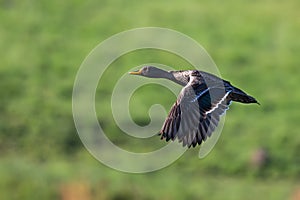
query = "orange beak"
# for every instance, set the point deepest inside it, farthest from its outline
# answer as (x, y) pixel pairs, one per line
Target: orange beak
(139, 72)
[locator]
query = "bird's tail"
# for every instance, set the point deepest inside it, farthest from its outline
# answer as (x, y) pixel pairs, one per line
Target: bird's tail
(240, 96)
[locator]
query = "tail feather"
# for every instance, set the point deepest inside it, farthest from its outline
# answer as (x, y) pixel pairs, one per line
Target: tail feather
(240, 96)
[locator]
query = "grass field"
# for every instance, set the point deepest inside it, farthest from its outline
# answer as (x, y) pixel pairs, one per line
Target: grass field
(255, 45)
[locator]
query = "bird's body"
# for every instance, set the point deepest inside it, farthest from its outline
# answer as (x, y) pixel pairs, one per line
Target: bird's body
(199, 106)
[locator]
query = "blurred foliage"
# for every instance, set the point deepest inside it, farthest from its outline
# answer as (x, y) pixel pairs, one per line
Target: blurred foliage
(255, 45)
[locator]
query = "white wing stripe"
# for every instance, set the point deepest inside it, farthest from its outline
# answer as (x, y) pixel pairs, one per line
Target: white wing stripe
(216, 106)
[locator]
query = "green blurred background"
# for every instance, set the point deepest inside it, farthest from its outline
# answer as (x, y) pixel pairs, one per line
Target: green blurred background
(256, 46)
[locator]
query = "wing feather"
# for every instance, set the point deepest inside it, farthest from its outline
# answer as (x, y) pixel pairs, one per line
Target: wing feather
(195, 114)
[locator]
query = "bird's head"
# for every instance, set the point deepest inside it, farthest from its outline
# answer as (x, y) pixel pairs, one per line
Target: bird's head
(149, 71)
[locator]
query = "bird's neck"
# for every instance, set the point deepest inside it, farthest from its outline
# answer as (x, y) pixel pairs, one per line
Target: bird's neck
(172, 76)
(178, 77)
(159, 73)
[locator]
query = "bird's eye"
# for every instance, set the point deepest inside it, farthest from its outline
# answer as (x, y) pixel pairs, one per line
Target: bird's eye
(188, 79)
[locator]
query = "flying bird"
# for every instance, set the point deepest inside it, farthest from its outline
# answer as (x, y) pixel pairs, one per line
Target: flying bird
(203, 99)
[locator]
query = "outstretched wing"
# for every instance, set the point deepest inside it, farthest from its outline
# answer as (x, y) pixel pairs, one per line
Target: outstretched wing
(195, 114)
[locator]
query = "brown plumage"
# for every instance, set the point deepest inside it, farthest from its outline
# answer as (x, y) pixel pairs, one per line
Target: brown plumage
(199, 106)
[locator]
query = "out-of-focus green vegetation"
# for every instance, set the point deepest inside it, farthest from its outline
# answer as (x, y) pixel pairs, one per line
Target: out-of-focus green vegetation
(255, 45)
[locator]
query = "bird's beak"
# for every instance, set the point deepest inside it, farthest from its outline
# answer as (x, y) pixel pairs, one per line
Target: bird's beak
(138, 72)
